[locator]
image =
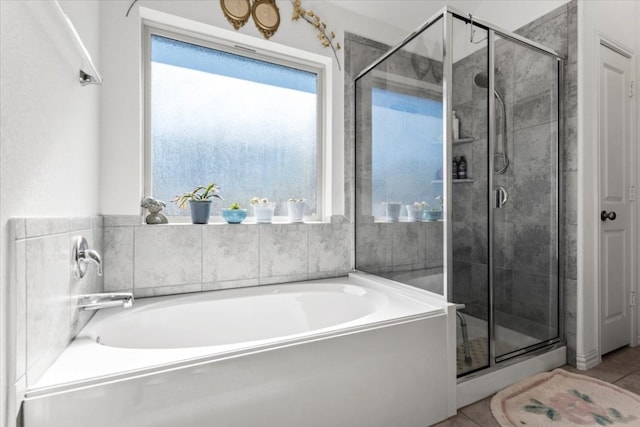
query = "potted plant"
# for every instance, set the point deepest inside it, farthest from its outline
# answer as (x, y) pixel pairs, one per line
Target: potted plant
(435, 213)
(234, 214)
(392, 210)
(263, 210)
(416, 211)
(199, 201)
(295, 207)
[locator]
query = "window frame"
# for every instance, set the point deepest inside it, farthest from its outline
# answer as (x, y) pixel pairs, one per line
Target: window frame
(215, 38)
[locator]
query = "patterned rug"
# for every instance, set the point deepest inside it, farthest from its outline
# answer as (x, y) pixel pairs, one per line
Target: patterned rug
(479, 350)
(560, 398)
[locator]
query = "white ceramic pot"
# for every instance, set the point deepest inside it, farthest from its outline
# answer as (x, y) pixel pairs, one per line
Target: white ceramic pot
(264, 212)
(415, 212)
(392, 211)
(296, 210)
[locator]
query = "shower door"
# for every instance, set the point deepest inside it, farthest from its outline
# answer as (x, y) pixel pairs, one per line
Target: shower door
(505, 207)
(524, 201)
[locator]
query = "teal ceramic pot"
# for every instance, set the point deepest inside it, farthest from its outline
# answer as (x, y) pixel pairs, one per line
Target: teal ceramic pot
(200, 211)
(432, 215)
(234, 216)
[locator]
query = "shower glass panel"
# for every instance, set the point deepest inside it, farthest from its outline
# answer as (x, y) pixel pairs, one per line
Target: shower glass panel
(399, 128)
(469, 195)
(496, 241)
(525, 228)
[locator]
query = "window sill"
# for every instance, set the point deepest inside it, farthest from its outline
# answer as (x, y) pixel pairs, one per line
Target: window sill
(248, 221)
(134, 220)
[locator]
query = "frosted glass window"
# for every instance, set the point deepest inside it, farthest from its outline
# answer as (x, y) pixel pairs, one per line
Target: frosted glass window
(406, 149)
(249, 125)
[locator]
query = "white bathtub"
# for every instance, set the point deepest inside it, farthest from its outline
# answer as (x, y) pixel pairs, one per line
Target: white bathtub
(340, 352)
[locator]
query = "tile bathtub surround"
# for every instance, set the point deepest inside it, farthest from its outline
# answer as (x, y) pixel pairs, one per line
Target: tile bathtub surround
(45, 315)
(151, 260)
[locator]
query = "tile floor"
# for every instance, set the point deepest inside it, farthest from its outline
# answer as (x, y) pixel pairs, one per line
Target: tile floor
(620, 367)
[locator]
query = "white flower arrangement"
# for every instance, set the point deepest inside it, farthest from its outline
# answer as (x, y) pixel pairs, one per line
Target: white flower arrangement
(257, 200)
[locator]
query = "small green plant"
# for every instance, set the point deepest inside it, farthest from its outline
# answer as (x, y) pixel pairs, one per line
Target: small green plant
(436, 208)
(199, 194)
(235, 206)
(440, 202)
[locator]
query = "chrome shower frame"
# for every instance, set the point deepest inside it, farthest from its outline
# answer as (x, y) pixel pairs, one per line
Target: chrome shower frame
(447, 14)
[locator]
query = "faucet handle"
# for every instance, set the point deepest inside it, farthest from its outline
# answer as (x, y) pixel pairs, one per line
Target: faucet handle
(82, 255)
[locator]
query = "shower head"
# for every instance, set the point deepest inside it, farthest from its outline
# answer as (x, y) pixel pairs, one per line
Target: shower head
(481, 80)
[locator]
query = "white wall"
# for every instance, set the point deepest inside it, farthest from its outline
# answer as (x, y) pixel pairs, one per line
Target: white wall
(50, 130)
(619, 21)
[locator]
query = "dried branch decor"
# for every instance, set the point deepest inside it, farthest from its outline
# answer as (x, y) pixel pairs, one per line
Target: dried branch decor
(327, 38)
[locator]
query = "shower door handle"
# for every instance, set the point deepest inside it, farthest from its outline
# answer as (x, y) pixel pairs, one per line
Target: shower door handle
(501, 196)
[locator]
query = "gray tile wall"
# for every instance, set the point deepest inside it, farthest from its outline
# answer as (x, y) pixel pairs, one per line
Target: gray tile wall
(44, 311)
(559, 30)
(151, 260)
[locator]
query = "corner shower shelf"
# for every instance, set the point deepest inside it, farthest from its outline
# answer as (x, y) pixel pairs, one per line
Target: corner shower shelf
(455, 181)
(463, 140)
(457, 141)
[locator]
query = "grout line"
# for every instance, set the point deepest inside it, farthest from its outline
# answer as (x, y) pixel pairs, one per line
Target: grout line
(259, 257)
(202, 258)
(133, 269)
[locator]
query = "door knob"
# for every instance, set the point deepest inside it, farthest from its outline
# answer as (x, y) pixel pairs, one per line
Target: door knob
(604, 215)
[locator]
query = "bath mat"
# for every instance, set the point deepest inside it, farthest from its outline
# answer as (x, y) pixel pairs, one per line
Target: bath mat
(560, 398)
(478, 348)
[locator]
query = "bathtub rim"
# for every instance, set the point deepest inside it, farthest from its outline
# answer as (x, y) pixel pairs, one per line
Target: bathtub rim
(438, 307)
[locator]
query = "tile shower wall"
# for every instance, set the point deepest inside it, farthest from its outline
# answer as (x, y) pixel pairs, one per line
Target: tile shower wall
(45, 313)
(559, 30)
(177, 258)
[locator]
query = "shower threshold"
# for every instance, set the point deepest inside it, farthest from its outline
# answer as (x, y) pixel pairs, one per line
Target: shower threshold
(507, 342)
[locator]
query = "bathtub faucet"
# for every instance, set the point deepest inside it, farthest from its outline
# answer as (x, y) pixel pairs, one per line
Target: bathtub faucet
(106, 300)
(82, 256)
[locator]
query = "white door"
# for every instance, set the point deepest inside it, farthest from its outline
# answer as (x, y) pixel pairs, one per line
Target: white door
(615, 209)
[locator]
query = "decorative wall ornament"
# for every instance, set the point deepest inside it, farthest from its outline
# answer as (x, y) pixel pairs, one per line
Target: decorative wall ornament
(327, 38)
(237, 12)
(266, 16)
(130, 7)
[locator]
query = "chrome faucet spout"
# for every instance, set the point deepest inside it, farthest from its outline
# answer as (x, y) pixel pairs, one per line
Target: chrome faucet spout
(106, 300)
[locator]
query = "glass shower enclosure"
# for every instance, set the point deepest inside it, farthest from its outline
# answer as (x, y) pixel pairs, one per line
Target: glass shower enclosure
(457, 183)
